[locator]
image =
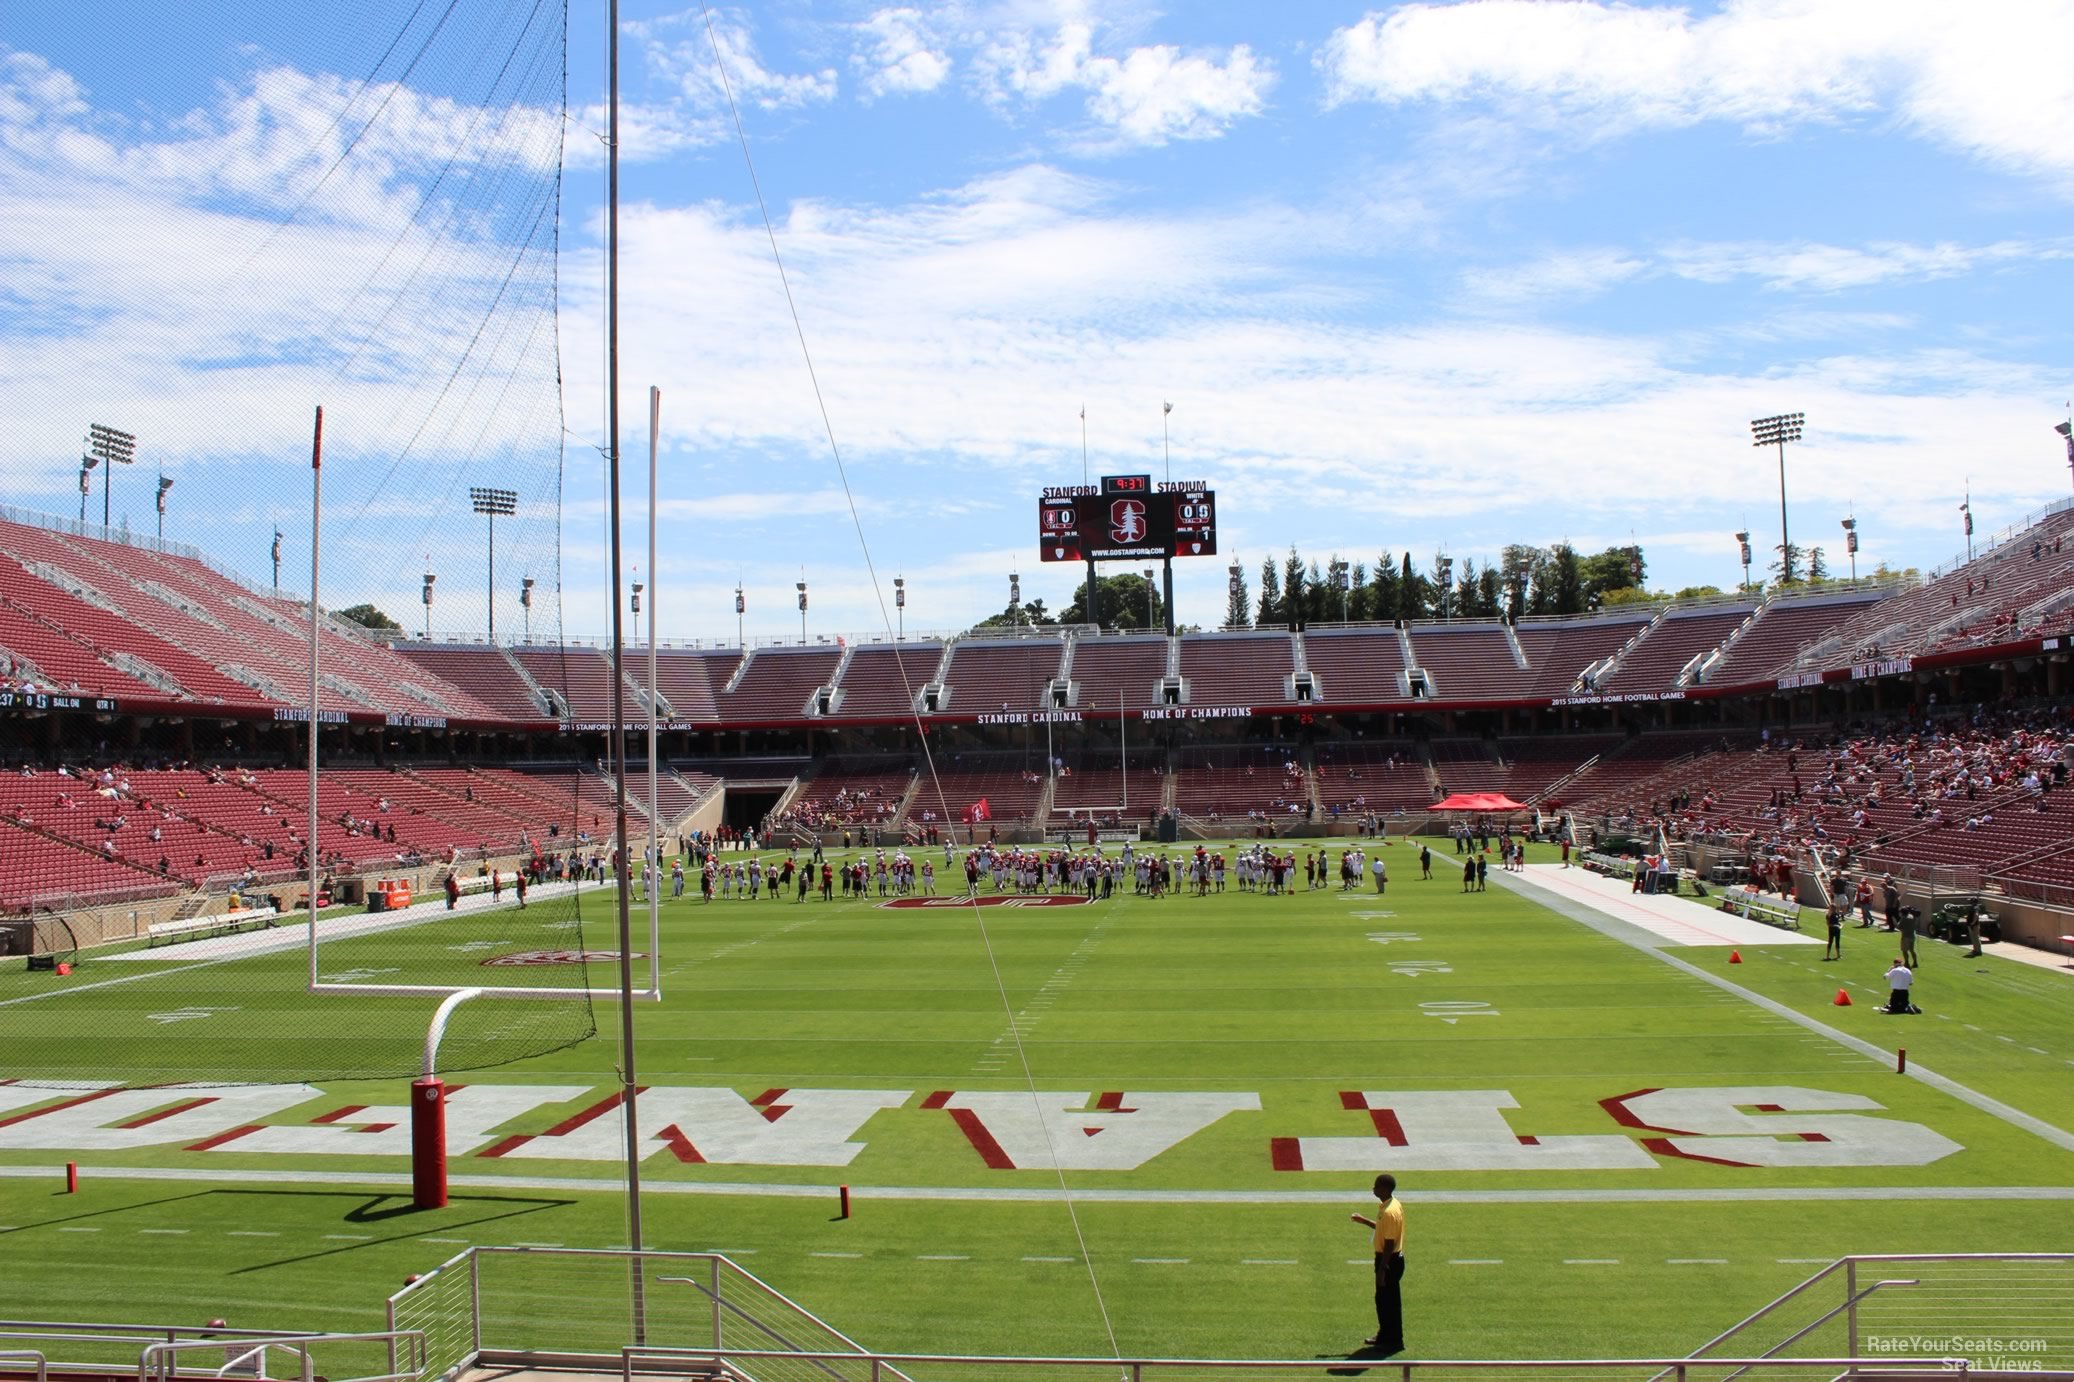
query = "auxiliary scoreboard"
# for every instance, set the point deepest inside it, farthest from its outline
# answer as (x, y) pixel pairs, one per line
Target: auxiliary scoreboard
(1127, 518)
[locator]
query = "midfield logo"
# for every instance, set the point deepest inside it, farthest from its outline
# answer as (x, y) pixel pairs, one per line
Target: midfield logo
(1752, 1126)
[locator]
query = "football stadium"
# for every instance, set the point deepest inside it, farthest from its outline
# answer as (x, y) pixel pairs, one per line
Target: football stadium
(1316, 966)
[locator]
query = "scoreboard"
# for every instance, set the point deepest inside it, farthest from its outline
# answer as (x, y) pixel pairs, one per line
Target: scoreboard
(1127, 518)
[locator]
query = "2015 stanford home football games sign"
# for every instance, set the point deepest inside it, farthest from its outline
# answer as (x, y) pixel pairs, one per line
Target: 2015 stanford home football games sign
(1763, 1126)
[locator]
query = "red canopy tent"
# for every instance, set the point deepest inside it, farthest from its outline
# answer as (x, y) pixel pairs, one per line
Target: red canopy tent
(1478, 801)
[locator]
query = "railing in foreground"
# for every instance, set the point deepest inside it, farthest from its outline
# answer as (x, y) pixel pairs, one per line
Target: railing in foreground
(155, 1353)
(1987, 1316)
(2008, 1310)
(764, 1365)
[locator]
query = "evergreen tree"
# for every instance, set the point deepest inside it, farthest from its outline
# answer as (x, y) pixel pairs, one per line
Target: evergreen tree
(1382, 590)
(1295, 604)
(1412, 602)
(1270, 594)
(1358, 594)
(1818, 566)
(1487, 592)
(1566, 579)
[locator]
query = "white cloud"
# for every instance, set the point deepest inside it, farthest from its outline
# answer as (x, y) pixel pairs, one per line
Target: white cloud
(901, 58)
(1991, 81)
(1803, 267)
(1149, 96)
(680, 50)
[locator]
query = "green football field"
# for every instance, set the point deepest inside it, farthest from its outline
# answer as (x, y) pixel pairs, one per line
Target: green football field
(1605, 1148)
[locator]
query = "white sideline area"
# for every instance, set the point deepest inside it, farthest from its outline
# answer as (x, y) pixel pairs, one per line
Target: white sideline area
(293, 931)
(1674, 920)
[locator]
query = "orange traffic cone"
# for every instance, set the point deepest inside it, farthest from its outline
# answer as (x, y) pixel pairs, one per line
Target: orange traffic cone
(1842, 999)
(1735, 957)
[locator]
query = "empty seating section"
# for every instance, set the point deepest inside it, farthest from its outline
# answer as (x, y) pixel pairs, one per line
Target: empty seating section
(32, 652)
(689, 680)
(1370, 775)
(1777, 634)
(1237, 669)
(1559, 651)
(885, 680)
(581, 677)
(1468, 662)
(434, 817)
(1466, 765)
(187, 620)
(1012, 786)
(1226, 783)
(483, 673)
(852, 793)
(111, 633)
(1098, 781)
(1109, 671)
(775, 683)
(1676, 639)
(1529, 766)
(990, 677)
(1356, 667)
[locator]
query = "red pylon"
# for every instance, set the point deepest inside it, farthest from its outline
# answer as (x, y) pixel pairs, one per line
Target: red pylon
(1842, 999)
(1735, 957)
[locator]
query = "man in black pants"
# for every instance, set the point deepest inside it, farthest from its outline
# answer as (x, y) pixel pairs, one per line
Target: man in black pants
(1388, 1224)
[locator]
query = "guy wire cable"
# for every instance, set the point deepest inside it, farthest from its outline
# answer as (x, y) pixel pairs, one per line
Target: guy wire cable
(921, 736)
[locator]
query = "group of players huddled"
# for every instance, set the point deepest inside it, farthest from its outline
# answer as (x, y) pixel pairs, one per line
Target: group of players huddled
(991, 868)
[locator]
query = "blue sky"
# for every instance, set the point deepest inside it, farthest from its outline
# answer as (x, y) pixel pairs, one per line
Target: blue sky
(1427, 277)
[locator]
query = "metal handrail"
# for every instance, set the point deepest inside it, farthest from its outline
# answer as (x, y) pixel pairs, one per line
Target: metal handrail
(27, 1355)
(159, 1362)
(1135, 1369)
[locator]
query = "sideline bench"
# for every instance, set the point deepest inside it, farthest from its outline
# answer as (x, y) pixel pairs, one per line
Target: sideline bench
(196, 928)
(1755, 906)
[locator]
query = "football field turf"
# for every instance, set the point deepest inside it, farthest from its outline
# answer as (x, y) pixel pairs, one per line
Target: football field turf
(1606, 1145)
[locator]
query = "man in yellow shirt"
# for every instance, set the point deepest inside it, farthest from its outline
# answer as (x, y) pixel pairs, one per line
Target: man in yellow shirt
(1388, 1224)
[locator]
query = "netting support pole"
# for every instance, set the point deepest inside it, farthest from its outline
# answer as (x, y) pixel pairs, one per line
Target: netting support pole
(428, 1113)
(316, 513)
(629, 1103)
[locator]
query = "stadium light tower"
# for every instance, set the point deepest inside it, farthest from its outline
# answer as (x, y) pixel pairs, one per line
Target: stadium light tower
(2066, 431)
(1233, 574)
(1150, 576)
(638, 588)
(801, 586)
(429, 579)
(1015, 599)
(899, 608)
(526, 604)
(164, 484)
(1851, 546)
(1337, 570)
(1743, 542)
(277, 561)
(86, 482)
(111, 449)
(490, 503)
(1166, 451)
(1777, 431)
(741, 609)
(1444, 568)
(1966, 511)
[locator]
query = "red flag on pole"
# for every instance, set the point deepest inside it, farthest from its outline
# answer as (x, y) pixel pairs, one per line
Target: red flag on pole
(979, 811)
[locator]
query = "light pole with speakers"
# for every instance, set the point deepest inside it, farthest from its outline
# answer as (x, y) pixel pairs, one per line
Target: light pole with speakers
(1851, 546)
(900, 608)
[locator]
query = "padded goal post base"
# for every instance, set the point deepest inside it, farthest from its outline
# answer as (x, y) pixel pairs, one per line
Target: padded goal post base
(428, 1142)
